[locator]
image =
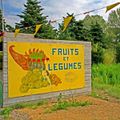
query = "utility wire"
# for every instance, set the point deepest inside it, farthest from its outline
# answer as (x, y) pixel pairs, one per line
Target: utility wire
(56, 21)
(83, 13)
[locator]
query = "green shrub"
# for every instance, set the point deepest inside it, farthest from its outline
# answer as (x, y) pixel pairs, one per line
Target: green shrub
(97, 54)
(118, 53)
(106, 74)
(106, 78)
(65, 104)
(6, 111)
(109, 56)
(18, 106)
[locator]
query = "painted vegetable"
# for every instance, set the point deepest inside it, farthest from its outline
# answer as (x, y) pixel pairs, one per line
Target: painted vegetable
(37, 76)
(33, 59)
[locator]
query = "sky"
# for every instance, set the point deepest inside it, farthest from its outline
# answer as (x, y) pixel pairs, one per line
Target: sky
(56, 9)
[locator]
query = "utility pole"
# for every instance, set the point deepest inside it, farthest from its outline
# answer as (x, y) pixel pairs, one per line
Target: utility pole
(1, 97)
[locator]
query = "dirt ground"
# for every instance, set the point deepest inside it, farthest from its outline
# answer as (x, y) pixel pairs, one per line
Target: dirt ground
(99, 110)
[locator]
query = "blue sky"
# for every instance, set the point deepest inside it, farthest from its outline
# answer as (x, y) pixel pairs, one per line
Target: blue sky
(56, 9)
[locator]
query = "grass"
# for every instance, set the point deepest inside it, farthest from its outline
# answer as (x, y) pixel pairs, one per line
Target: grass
(66, 104)
(6, 111)
(59, 105)
(104, 78)
(107, 79)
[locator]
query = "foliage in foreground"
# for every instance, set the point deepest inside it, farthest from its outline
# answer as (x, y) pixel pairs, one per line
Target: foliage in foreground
(59, 105)
(6, 111)
(66, 104)
(63, 104)
(106, 78)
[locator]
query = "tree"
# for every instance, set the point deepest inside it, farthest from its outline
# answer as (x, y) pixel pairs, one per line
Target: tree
(114, 24)
(97, 34)
(114, 28)
(67, 34)
(92, 20)
(33, 15)
(9, 28)
(98, 44)
(97, 53)
(75, 31)
(47, 31)
(79, 31)
(108, 34)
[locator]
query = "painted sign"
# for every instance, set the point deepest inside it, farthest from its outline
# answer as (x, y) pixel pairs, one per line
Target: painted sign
(35, 68)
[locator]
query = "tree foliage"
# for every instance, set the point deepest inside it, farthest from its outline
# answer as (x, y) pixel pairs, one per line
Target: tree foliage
(67, 34)
(9, 28)
(114, 28)
(97, 39)
(97, 34)
(92, 20)
(79, 31)
(102, 34)
(114, 24)
(33, 15)
(93, 32)
(75, 31)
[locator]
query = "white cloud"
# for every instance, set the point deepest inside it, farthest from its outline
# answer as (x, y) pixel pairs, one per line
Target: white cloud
(56, 9)
(59, 8)
(15, 3)
(12, 20)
